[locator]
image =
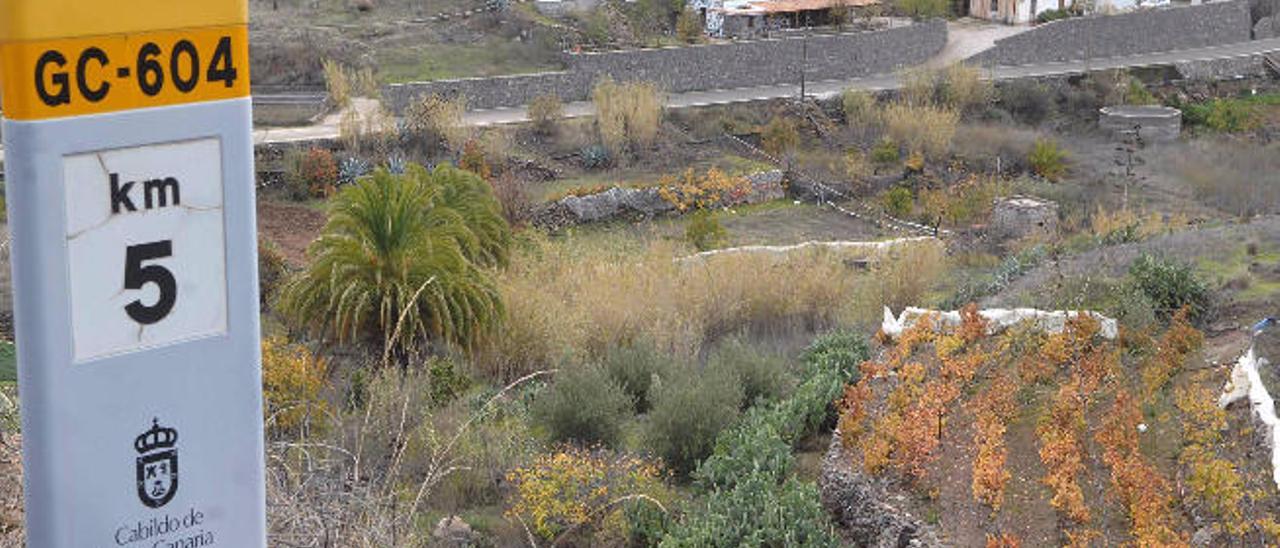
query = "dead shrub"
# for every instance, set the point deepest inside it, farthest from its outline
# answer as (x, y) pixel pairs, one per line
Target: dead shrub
(513, 195)
(438, 121)
(859, 107)
(628, 115)
(927, 130)
(578, 301)
(963, 88)
(545, 111)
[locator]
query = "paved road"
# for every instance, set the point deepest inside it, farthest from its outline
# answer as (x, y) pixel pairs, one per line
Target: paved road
(829, 89)
(329, 128)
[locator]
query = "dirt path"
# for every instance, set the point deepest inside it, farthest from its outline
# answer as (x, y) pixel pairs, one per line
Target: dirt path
(291, 227)
(968, 37)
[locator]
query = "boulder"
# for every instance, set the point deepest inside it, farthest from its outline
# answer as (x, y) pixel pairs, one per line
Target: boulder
(453, 532)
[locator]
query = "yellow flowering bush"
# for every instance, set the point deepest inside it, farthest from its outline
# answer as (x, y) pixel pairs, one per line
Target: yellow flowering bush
(292, 378)
(573, 488)
(715, 188)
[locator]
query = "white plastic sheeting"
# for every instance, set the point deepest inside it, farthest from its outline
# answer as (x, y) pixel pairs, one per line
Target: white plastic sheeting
(998, 319)
(869, 248)
(1245, 382)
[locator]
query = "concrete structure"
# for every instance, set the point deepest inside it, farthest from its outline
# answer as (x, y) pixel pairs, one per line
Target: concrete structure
(1020, 216)
(1154, 124)
(700, 68)
(757, 18)
(1146, 31)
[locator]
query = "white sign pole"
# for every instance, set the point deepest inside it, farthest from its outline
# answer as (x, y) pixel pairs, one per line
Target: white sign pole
(130, 186)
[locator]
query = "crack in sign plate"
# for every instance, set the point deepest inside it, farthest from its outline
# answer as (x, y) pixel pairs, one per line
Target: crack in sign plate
(146, 247)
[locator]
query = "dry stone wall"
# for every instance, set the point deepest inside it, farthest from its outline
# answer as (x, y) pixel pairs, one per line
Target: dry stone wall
(700, 68)
(1145, 31)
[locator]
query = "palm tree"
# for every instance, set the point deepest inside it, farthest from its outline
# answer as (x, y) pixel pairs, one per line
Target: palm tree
(405, 259)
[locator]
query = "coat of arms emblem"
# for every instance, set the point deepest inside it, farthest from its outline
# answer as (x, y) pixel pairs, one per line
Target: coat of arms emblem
(157, 465)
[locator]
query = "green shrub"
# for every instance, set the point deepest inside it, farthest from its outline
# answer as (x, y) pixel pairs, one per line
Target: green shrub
(704, 231)
(638, 368)
(1169, 285)
(1229, 116)
(584, 405)
(761, 376)
(1137, 94)
(922, 9)
(402, 261)
(899, 201)
(886, 152)
(689, 411)
(752, 500)
(447, 381)
(757, 512)
(1053, 15)
(1047, 159)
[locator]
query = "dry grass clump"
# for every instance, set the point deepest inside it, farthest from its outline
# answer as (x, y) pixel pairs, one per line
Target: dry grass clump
(337, 84)
(1229, 176)
(924, 129)
(958, 87)
(628, 115)
(370, 131)
(545, 111)
(574, 302)
(433, 117)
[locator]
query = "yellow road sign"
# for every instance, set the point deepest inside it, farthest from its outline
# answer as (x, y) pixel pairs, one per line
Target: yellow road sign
(58, 59)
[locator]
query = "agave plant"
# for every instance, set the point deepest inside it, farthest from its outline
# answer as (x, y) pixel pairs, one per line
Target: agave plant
(404, 260)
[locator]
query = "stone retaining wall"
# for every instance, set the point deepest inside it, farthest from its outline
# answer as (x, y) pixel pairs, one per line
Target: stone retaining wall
(1145, 31)
(700, 68)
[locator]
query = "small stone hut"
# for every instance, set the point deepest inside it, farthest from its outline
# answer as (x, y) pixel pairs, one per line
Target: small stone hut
(1020, 216)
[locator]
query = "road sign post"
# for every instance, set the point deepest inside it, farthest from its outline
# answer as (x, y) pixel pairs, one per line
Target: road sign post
(129, 172)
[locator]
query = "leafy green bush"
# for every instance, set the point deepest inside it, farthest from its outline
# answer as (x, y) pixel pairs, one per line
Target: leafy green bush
(689, 411)
(899, 201)
(638, 368)
(1054, 15)
(1169, 285)
(886, 152)
(1047, 159)
(401, 261)
(1229, 116)
(584, 405)
(704, 231)
(752, 499)
(757, 513)
(1137, 94)
(922, 9)
(762, 376)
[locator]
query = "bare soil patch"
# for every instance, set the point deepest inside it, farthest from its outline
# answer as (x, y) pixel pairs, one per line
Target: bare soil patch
(291, 227)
